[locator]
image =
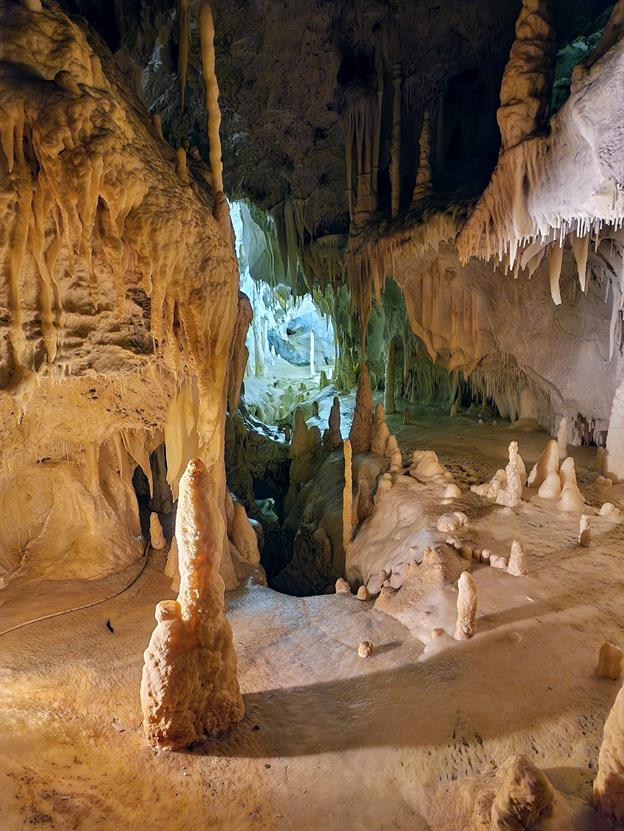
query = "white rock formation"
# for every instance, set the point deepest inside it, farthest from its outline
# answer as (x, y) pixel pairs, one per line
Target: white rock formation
(571, 497)
(547, 463)
(450, 522)
(585, 531)
(189, 687)
(517, 560)
(515, 475)
(551, 486)
(466, 607)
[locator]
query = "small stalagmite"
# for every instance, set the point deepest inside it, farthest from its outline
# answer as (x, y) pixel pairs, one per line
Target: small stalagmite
(362, 425)
(393, 453)
(609, 662)
(551, 486)
(547, 463)
(609, 783)
(342, 587)
(517, 560)
(466, 608)
(362, 593)
(332, 438)
(189, 686)
(511, 495)
(585, 531)
(366, 649)
(381, 432)
(406, 416)
(157, 538)
(571, 497)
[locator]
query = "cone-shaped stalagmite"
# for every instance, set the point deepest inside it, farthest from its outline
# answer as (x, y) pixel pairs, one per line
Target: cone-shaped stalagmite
(362, 425)
(189, 687)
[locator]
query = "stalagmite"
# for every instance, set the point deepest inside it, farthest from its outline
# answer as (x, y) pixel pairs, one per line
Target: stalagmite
(551, 486)
(362, 593)
(393, 452)
(548, 462)
(609, 662)
(452, 491)
(171, 567)
(466, 607)
(527, 79)
(181, 168)
(183, 46)
(315, 409)
(511, 495)
(347, 496)
(517, 560)
(562, 438)
(362, 425)
(406, 416)
(609, 783)
(366, 649)
(342, 587)
(571, 497)
(395, 145)
(157, 125)
(585, 531)
(244, 537)
(157, 538)
(189, 687)
(381, 432)
(332, 438)
(389, 404)
(524, 795)
(422, 186)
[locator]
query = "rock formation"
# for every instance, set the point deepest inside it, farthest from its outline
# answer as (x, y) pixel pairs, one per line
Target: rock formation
(517, 560)
(609, 662)
(360, 434)
(189, 687)
(157, 538)
(585, 531)
(466, 608)
(609, 782)
(332, 437)
(515, 475)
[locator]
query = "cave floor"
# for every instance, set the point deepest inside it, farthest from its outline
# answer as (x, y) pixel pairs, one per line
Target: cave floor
(329, 740)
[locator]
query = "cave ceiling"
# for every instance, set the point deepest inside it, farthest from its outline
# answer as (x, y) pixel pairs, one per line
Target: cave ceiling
(288, 70)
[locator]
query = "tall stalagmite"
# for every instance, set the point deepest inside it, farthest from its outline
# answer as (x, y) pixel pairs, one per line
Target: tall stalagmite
(362, 425)
(189, 687)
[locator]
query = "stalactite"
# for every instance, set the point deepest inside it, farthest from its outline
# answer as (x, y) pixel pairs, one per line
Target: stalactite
(389, 403)
(207, 32)
(527, 79)
(395, 142)
(183, 46)
(422, 186)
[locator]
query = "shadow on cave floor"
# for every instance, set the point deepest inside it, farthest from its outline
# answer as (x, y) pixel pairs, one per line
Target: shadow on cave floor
(460, 696)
